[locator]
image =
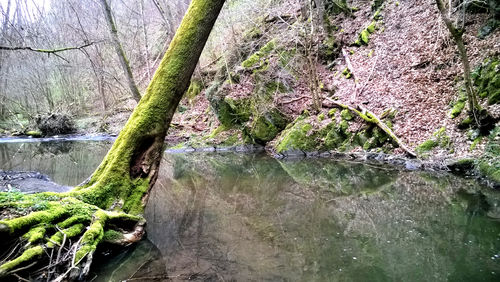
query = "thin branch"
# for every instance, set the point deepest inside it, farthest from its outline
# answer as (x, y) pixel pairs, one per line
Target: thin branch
(47, 51)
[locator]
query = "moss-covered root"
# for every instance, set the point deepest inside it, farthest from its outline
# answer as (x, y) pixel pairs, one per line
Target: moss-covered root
(68, 218)
(28, 255)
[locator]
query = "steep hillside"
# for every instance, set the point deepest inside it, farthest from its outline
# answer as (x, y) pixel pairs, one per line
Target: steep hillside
(295, 83)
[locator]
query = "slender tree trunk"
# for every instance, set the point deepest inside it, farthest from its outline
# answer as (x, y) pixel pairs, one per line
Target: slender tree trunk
(457, 37)
(146, 45)
(120, 52)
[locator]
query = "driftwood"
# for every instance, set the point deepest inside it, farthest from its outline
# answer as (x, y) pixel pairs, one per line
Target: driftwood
(370, 117)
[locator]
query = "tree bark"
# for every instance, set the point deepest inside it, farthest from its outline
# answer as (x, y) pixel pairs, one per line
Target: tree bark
(457, 37)
(117, 192)
(120, 52)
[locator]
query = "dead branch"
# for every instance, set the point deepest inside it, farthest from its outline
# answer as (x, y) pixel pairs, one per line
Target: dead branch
(370, 117)
(294, 100)
(47, 51)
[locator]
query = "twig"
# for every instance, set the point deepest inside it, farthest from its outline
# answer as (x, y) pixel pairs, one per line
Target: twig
(351, 69)
(369, 77)
(294, 100)
(62, 245)
(20, 278)
(23, 268)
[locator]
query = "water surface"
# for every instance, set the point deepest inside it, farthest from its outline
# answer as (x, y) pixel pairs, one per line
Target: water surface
(242, 217)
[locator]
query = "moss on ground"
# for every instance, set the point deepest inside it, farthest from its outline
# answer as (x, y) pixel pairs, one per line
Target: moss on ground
(438, 139)
(364, 35)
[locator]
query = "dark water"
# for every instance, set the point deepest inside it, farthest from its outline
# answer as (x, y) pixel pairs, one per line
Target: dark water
(230, 217)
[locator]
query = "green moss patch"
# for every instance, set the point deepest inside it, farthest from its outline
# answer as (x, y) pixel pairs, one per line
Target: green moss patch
(267, 126)
(364, 35)
(258, 58)
(487, 80)
(489, 165)
(438, 139)
(458, 106)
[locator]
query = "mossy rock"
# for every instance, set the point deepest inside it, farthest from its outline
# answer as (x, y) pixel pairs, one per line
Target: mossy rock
(297, 136)
(337, 7)
(267, 126)
(487, 80)
(253, 33)
(427, 146)
(465, 123)
(490, 170)
(364, 36)
(376, 4)
(489, 165)
(258, 58)
(438, 139)
(371, 27)
(225, 113)
(241, 109)
(275, 87)
(491, 25)
(329, 50)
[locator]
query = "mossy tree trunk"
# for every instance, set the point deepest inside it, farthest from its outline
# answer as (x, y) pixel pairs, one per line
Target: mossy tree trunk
(115, 196)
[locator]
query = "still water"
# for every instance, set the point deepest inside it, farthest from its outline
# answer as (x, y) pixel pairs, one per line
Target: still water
(248, 217)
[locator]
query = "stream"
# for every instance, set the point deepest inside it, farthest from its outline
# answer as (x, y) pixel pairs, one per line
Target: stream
(249, 217)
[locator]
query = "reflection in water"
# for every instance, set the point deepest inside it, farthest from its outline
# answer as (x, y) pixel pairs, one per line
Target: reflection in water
(248, 217)
(67, 162)
(253, 218)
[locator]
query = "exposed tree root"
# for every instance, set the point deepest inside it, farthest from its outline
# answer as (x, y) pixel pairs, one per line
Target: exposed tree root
(370, 117)
(65, 232)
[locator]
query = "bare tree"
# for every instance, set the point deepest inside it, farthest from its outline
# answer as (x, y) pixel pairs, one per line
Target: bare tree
(457, 34)
(120, 52)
